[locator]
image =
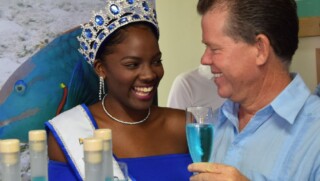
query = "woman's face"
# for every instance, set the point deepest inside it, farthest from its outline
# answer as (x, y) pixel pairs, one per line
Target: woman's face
(134, 69)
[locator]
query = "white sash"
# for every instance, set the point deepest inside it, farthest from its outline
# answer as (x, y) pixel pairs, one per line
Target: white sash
(69, 129)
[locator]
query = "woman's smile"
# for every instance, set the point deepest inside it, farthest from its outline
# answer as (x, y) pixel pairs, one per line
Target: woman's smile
(144, 92)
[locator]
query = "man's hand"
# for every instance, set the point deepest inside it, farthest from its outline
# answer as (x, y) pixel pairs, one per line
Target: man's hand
(215, 172)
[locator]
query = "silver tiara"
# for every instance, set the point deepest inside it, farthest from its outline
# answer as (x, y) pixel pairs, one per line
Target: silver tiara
(117, 14)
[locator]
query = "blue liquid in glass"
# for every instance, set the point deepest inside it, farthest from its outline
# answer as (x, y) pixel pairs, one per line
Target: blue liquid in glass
(39, 179)
(200, 141)
(109, 179)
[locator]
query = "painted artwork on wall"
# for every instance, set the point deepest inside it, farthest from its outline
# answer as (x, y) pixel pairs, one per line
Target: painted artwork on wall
(309, 17)
(42, 71)
(28, 25)
(38, 56)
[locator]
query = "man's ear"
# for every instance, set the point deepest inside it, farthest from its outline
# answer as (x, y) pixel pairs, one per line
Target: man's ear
(263, 47)
(99, 68)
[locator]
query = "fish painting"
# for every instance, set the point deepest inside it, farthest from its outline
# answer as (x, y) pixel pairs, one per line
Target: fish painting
(53, 80)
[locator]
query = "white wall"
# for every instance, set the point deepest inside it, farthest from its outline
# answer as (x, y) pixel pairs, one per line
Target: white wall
(304, 60)
(180, 40)
(180, 43)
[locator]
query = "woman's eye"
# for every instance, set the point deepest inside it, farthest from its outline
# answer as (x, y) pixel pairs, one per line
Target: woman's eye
(158, 62)
(20, 87)
(131, 65)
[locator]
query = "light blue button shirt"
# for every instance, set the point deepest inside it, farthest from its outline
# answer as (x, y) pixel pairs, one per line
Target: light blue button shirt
(281, 142)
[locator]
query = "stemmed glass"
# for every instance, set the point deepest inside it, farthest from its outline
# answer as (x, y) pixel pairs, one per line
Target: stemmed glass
(124, 169)
(200, 132)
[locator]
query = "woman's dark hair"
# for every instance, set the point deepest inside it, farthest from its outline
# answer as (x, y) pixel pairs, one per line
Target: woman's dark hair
(277, 19)
(119, 35)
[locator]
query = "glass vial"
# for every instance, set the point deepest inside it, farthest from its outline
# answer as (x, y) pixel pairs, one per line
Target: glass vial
(107, 154)
(38, 155)
(10, 160)
(93, 159)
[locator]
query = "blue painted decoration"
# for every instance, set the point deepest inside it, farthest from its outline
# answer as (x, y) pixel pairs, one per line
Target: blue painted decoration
(53, 80)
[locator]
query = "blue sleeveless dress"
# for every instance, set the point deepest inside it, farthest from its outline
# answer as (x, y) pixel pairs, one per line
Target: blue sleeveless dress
(159, 168)
(170, 167)
(156, 168)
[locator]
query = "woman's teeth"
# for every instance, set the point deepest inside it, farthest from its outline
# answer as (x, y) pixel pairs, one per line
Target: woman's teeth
(143, 91)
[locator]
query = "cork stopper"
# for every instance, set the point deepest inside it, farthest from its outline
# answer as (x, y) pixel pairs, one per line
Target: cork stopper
(92, 144)
(37, 135)
(104, 134)
(37, 140)
(9, 149)
(9, 146)
(93, 150)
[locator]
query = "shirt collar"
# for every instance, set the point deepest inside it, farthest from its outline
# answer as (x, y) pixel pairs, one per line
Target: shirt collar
(229, 111)
(287, 104)
(290, 101)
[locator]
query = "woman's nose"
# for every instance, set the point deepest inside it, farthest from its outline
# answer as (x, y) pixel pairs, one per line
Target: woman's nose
(148, 73)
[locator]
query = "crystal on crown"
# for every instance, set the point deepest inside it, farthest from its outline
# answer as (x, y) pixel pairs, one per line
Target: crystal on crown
(117, 14)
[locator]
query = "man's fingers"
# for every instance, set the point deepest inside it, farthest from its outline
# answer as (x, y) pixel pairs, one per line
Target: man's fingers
(204, 167)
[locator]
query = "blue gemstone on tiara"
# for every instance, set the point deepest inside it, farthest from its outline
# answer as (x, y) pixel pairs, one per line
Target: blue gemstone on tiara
(130, 1)
(83, 45)
(155, 14)
(101, 36)
(135, 16)
(114, 9)
(99, 20)
(91, 55)
(110, 27)
(88, 33)
(95, 45)
(123, 20)
(145, 5)
(117, 13)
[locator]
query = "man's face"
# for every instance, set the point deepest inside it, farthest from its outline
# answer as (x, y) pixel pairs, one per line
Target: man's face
(232, 62)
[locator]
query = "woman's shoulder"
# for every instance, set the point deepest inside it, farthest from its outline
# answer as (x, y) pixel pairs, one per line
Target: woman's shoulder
(173, 121)
(170, 113)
